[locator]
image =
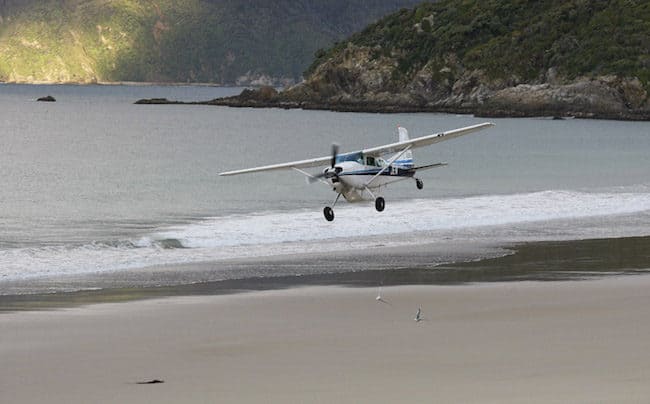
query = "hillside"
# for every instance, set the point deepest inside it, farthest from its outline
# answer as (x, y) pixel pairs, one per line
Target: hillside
(218, 41)
(585, 58)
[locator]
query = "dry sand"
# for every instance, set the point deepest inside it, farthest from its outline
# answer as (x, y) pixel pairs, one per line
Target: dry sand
(585, 341)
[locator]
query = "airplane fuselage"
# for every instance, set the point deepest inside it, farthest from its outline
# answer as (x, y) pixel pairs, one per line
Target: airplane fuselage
(353, 180)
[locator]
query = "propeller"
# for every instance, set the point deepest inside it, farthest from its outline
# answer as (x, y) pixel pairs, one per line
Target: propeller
(331, 172)
(335, 152)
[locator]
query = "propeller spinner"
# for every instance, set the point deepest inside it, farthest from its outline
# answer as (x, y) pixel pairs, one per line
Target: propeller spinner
(332, 171)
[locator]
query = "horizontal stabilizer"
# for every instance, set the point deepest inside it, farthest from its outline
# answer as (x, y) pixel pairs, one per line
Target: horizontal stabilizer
(428, 166)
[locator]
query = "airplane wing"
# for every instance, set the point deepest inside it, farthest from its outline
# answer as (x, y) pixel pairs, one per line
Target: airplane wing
(373, 151)
(316, 162)
(425, 140)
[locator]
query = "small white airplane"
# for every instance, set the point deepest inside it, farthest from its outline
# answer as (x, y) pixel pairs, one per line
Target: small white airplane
(360, 175)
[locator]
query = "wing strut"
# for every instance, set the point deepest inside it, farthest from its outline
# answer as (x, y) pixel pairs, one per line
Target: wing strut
(388, 163)
(309, 176)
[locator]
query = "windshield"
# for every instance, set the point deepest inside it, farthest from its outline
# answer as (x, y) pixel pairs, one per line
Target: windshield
(358, 157)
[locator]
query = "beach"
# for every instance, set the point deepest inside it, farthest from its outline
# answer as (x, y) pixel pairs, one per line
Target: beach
(567, 341)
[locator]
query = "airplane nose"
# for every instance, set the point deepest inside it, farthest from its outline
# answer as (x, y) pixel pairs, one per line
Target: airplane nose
(330, 172)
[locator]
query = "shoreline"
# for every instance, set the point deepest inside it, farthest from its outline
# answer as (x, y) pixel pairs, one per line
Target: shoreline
(527, 261)
(258, 98)
(559, 113)
(237, 102)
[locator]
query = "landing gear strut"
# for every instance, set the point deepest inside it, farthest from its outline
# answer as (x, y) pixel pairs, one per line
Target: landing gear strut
(419, 183)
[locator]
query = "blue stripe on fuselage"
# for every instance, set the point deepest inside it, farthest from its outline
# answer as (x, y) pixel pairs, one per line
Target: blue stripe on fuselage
(406, 163)
(401, 172)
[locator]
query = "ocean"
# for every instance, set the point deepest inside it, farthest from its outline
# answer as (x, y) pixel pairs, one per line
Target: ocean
(93, 185)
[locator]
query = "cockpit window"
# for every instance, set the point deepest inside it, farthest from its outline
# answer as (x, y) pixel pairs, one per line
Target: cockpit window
(370, 161)
(358, 157)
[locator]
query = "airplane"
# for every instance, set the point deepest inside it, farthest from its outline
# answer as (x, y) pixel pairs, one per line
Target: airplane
(360, 175)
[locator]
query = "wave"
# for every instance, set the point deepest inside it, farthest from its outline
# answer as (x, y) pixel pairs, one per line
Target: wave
(478, 218)
(403, 217)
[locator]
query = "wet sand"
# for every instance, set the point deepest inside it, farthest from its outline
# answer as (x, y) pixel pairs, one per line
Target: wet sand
(568, 341)
(421, 265)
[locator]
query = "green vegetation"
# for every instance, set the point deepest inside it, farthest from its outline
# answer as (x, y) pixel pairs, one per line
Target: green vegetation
(514, 39)
(164, 40)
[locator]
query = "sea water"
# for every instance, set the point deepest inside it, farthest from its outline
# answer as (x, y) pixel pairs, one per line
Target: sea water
(94, 184)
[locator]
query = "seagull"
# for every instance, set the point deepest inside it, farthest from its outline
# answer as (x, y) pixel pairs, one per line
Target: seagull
(418, 317)
(378, 298)
(381, 299)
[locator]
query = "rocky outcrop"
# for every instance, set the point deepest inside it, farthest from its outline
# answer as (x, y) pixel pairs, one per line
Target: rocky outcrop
(155, 101)
(600, 97)
(361, 79)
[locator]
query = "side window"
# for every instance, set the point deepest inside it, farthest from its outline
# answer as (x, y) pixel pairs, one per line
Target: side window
(370, 161)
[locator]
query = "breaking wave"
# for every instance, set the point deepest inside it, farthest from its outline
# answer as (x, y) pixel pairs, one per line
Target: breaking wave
(537, 215)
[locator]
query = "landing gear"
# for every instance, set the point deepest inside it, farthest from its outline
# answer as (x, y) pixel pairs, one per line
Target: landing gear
(329, 212)
(380, 204)
(419, 183)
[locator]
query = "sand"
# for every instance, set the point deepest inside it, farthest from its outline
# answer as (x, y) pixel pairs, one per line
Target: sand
(570, 341)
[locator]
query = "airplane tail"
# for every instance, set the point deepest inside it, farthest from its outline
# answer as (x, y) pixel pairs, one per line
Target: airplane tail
(406, 159)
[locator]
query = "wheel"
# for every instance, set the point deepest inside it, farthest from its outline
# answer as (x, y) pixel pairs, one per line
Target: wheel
(419, 183)
(329, 213)
(380, 204)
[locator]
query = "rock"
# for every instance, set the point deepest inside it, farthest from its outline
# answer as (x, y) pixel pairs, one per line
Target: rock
(264, 94)
(154, 381)
(154, 101)
(48, 98)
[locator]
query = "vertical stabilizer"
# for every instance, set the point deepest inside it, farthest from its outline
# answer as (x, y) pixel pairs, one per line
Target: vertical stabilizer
(403, 134)
(405, 159)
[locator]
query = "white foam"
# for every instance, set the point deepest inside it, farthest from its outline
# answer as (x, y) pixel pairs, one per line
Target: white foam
(356, 226)
(403, 217)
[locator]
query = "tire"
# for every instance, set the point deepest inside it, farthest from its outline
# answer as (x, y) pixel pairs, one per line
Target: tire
(380, 204)
(419, 184)
(328, 213)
